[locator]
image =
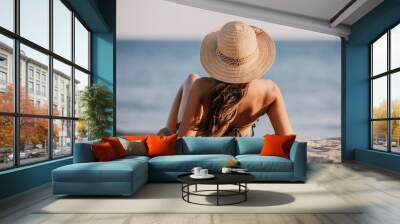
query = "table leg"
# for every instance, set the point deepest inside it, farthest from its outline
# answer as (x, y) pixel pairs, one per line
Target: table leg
(195, 188)
(245, 193)
(182, 189)
(188, 190)
(217, 194)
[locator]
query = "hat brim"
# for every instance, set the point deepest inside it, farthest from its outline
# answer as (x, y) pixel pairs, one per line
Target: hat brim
(244, 73)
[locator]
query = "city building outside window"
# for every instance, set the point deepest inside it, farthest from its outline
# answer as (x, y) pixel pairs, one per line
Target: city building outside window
(43, 90)
(3, 72)
(44, 77)
(37, 89)
(30, 72)
(38, 75)
(3, 78)
(3, 61)
(57, 128)
(30, 87)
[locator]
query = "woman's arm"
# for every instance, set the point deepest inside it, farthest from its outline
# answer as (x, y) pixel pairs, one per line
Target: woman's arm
(277, 112)
(192, 112)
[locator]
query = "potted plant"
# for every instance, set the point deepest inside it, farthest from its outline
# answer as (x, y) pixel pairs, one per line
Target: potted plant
(96, 102)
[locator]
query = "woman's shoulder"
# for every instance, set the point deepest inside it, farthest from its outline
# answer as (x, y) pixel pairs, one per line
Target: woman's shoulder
(264, 89)
(204, 82)
(265, 85)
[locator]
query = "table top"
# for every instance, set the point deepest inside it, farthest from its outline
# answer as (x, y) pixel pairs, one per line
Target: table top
(220, 178)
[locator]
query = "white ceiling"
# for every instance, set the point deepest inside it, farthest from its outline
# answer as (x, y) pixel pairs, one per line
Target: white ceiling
(333, 17)
(321, 9)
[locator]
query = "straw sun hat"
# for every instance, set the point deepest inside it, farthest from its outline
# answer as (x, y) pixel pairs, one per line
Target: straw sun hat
(237, 53)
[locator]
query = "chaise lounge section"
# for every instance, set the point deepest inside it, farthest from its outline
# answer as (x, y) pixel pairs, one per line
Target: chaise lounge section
(125, 176)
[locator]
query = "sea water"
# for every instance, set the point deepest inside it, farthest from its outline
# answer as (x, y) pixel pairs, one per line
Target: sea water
(149, 74)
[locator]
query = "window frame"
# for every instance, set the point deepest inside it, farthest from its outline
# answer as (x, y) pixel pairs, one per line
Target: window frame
(16, 115)
(388, 74)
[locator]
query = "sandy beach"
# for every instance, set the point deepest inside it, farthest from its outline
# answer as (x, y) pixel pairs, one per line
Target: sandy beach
(326, 150)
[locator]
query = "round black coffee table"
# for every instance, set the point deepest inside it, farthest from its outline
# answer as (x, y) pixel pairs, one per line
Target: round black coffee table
(238, 179)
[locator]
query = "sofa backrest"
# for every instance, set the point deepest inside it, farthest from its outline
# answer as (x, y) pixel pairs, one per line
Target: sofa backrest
(249, 145)
(83, 152)
(192, 146)
(206, 145)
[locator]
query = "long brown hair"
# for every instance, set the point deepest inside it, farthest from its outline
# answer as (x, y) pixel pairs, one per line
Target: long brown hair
(222, 104)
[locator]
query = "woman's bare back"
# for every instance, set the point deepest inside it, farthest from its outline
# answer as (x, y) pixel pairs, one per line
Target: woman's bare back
(262, 97)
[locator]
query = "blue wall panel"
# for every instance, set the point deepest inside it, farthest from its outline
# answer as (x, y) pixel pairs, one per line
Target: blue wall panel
(103, 63)
(380, 159)
(357, 100)
(103, 52)
(24, 178)
(355, 80)
(89, 11)
(102, 58)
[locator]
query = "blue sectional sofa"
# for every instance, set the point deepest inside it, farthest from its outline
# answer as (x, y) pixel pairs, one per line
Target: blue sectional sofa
(125, 176)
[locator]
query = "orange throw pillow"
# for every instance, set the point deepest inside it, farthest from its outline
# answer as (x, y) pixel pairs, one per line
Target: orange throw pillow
(103, 152)
(277, 145)
(116, 145)
(161, 145)
(135, 137)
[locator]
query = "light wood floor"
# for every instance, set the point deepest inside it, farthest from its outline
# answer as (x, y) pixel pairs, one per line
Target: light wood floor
(351, 181)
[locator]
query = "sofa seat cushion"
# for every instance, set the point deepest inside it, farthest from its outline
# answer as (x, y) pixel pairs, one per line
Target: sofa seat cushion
(133, 158)
(257, 163)
(185, 163)
(121, 170)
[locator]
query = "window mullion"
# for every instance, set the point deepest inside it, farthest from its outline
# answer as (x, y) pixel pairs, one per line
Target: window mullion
(50, 81)
(73, 82)
(389, 100)
(19, 42)
(16, 84)
(371, 98)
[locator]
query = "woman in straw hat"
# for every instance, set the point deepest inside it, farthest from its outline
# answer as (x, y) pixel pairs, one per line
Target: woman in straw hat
(231, 100)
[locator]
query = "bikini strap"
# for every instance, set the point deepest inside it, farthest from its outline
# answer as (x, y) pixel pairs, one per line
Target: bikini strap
(252, 129)
(236, 132)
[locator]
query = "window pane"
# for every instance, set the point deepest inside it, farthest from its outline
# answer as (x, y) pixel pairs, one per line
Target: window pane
(395, 136)
(6, 142)
(379, 97)
(62, 29)
(81, 81)
(81, 131)
(62, 89)
(379, 135)
(81, 45)
(34, 97)
(35, 21)
(395, 47)
(62, 133)
(33, 139)
(6, 74)
(395, 94)
(7, 14)
(379, 55)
